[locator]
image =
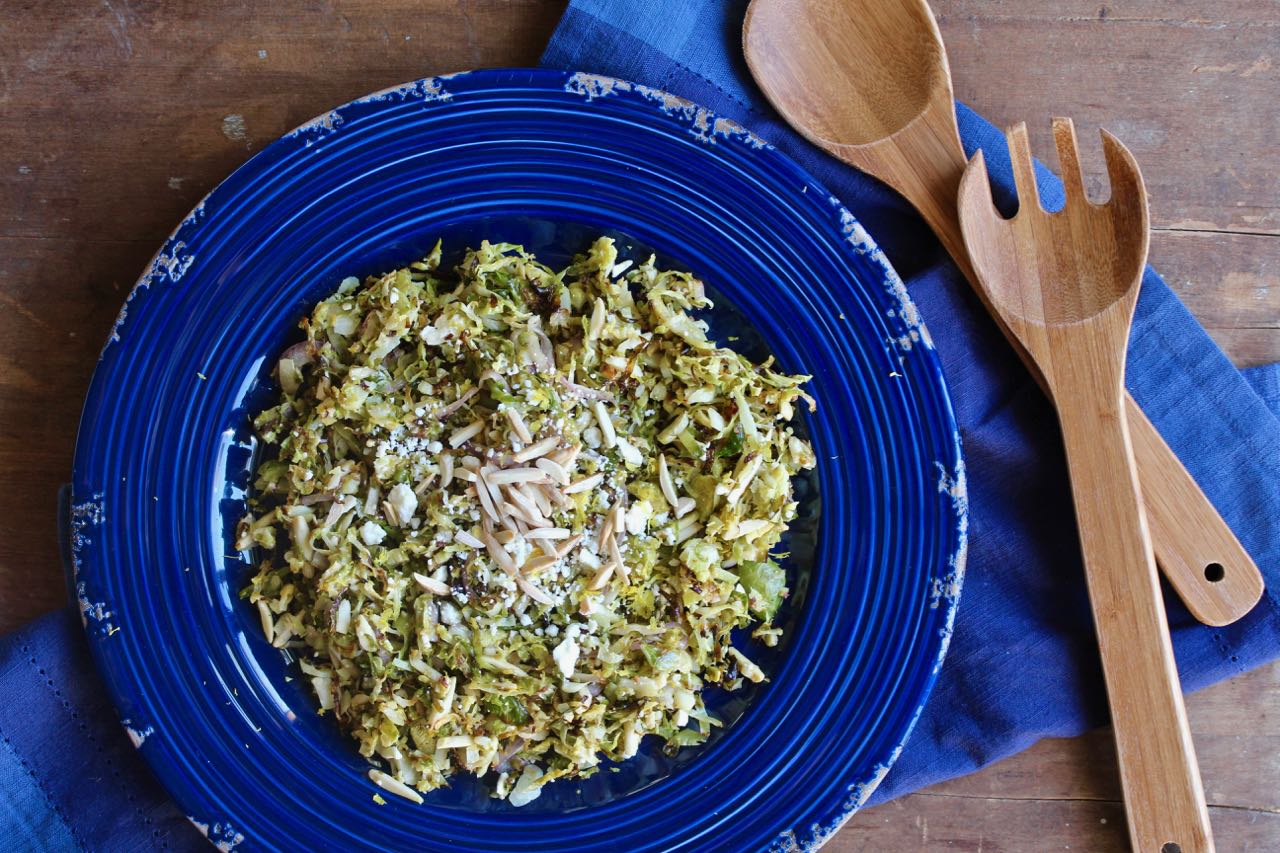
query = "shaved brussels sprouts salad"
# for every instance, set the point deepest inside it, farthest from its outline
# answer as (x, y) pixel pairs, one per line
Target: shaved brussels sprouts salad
(511, 517)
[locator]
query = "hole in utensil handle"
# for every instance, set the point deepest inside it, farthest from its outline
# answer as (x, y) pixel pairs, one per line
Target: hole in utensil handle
(1170, 846)
(1213, 573)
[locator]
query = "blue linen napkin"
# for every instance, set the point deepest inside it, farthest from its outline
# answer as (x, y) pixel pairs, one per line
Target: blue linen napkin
(1022, 664)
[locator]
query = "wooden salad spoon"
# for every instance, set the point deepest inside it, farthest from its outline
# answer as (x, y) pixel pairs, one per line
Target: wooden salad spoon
(1066, 284)
(868, 81)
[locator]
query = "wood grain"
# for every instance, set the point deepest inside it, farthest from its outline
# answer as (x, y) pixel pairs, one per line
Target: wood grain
(1066, 284)
(115, 128)
(890, 114)
(122, 116)
(1064, 794)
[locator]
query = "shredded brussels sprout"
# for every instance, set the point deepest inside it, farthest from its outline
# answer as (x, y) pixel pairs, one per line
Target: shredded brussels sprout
(514, 516)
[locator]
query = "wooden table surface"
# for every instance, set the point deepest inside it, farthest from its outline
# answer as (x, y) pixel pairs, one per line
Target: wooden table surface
(120, 114)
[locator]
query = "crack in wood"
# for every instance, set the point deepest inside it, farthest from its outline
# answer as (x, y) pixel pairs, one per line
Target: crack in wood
(1229, 232)
(1269, 810)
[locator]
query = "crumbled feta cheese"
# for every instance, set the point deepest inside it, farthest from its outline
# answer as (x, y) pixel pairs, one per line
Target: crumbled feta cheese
(372, 533)
(638, 516)
(566, 656)
(404, 502)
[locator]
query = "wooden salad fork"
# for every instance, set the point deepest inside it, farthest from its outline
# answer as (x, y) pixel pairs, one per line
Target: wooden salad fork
(1065, 284)
(868, 81)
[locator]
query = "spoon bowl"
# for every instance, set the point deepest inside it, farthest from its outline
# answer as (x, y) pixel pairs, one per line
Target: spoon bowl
(845, 88)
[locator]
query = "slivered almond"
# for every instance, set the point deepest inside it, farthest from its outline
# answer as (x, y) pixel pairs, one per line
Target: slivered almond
(465, 538)
(745, 418)
(684, 506)
(486, 502)
(446, 470)
(554, 470)
(505, 536)
(555, 495)
(596, 324)
(529, 517)
(606, 531)
(431, 585)
(602, 577)
(674, 428)
(664, 481)
(393, 785)
(500, 556)
(606, 424)
(538, 448)
(465, 474)
(471, 463)
(563, 550)
(516, 475)
(616, 556)
(518, 425)
(533, 493)
(567, 456)
(529, 509)
(629, 452)
(688, 531)
(466, 433)
(268, 624)
(537, 564)
(532, 591)
(421, 488)
(494, 492)
(548, 533)
(584, 484)
(750, 527)
(744, 480)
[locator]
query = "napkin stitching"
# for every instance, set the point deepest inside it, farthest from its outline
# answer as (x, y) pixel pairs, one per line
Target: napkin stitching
(746, 105)
(93, 739)
(44, 792)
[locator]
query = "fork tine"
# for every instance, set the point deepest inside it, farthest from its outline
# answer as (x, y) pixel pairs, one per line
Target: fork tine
(1064, 134)
(1128, 192)
(1024, 171)
(974, 196)
(1122, 169)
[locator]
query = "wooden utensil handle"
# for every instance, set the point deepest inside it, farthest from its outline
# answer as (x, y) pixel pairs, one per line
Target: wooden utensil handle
(1199, 554)
(1162, 788)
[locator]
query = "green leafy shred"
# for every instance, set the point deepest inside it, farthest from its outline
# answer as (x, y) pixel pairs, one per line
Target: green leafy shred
(511, 516)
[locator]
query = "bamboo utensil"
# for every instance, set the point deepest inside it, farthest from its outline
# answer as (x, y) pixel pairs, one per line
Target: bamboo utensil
(868, 81)
(1065, 285)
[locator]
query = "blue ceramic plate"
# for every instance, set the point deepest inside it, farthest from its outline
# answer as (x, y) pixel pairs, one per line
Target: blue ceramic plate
(549, 159)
